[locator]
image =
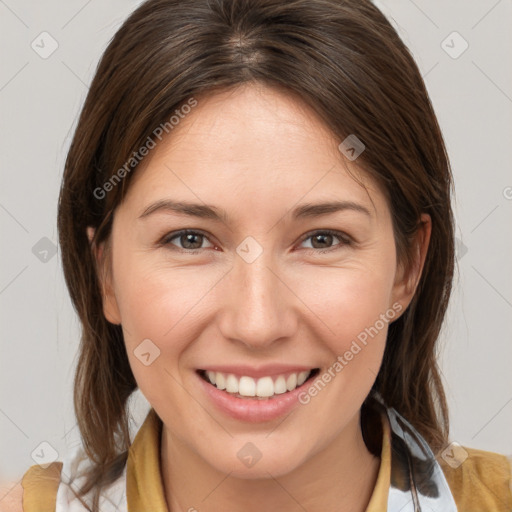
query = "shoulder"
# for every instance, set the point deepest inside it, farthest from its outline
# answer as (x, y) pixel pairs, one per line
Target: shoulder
(36, 492)
(11, 497)
(478, 479)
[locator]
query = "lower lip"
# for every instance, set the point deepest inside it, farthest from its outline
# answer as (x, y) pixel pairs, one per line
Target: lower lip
(250, 409)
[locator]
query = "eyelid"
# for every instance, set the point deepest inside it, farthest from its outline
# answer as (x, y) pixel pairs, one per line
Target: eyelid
(342, 236)
(166, 239)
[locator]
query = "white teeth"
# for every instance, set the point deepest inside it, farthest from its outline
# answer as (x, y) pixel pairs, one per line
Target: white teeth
(280, 385)
(264, 387)
(232, 384)
(291, 382)
(247, 386)
(302, 378)
(219, 381)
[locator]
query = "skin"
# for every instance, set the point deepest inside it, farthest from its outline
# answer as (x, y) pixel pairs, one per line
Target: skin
(256, 152)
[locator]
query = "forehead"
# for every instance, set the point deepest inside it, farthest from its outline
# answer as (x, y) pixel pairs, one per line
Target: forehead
(250, 144)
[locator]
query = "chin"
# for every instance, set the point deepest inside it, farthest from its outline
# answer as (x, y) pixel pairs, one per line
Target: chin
(252, 463)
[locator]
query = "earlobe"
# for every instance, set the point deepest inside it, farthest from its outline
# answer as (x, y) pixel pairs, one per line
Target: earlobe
(103, 269)
(408, 278)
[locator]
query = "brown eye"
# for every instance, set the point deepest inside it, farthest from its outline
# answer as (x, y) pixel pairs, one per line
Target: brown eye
(191, 241)
(322, 241)
(186, 241)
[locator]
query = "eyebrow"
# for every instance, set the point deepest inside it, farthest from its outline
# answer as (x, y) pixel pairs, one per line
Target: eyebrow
(204, 211)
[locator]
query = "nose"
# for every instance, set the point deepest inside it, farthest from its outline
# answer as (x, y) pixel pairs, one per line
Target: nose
(260, 309)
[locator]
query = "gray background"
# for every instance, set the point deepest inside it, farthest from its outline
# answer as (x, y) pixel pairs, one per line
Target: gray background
(40, 99)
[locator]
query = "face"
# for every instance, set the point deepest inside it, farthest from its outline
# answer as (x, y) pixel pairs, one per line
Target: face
(264, 290)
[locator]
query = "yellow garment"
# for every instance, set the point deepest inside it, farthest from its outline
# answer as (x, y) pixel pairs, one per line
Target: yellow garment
(40, 487)
(482, 483)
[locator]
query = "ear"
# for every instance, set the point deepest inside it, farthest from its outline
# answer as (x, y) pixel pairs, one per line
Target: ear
(102, 257)
(407, 279)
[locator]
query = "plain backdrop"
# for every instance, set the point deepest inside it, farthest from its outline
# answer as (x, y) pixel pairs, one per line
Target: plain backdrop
(40, 98)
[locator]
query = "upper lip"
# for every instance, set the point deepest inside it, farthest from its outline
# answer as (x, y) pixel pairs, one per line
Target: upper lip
(270, 370)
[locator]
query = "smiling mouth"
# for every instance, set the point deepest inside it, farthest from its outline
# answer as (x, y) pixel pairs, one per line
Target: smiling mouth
(263, 388)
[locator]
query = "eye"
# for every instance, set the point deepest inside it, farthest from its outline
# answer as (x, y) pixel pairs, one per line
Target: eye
(322, 239)
(190, 241)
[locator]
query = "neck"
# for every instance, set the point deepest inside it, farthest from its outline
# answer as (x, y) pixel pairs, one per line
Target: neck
(341, 476)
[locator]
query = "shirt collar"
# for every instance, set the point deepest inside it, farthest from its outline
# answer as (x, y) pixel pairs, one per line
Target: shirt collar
(144, 486)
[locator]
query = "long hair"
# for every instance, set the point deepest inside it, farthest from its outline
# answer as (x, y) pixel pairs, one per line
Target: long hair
(345, 60)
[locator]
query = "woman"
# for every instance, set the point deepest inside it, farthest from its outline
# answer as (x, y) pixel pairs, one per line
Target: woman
(256, 232)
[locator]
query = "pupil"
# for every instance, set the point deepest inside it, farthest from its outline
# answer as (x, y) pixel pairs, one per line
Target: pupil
(189, 238)
(321, 237)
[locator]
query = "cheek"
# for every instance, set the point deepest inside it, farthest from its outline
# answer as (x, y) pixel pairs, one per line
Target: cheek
(348, 301)
(161, 311)
(163, 303)
(155, 301)
(352, 314)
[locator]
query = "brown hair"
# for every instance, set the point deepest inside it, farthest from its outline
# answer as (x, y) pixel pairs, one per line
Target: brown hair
(345, 60)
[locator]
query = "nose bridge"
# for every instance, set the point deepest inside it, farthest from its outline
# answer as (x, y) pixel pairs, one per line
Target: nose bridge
(259, 310)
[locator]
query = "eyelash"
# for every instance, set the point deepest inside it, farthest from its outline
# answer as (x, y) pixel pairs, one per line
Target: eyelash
(345, 240)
